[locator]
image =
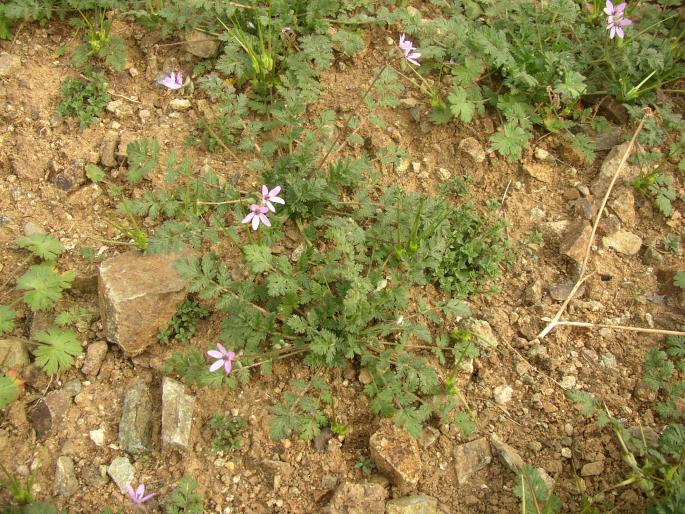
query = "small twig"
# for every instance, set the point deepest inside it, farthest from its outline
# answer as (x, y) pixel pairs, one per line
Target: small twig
(622, 327)
(125, 98)
(504, 196)
(555, 320)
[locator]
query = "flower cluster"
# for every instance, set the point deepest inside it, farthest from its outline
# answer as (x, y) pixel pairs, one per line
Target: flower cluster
(615, 19)
(173, 80)
(258, 212)
(409, 50)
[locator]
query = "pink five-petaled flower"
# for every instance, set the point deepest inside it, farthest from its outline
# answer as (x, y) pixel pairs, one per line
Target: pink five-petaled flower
(138, 496)
(223, 357)
(173, 80)
(615, 20)
(409, 50)
(257, 215)
(271, 196)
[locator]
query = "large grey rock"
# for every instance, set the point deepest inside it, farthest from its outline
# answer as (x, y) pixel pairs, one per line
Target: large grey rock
(396, 455)
(351, 498)
(8, 64)
(50, 411)
(420, 504)
(138, 295)
(200, 44)
(66, 482)
(122, 472)
(13, 354)
(135, 426)
(177, 414)
(471, 457)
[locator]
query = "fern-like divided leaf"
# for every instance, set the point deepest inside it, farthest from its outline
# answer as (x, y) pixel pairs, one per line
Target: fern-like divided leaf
(43, 286)
(57, 350)
(42, 245)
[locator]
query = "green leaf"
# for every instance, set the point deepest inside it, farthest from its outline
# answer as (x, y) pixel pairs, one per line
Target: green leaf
(258, 258)
(143, 157)
(114, 52)
(679, 279)
(586, 401)
(460, 104)
(43, 286)
(9, 390)
(42, 245)
(57, 349)
(510, 141)
(297, 324)
(7, 316)
(94, 173)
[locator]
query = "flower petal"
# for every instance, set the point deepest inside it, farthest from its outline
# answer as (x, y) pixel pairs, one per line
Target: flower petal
(624, 22)
(216, 366)
(270, 206)
(275, 191)
(277, 199)
(264, 219)
(140, 491)
(221, 348)
(215, 354)
(255, 221)
(227, 367)
(231, 355)
(146, 498)
(131, 493)
(247, 218)
(265, 191)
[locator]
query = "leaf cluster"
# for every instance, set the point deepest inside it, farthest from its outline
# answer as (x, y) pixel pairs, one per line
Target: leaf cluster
(184, 323)
(84, 99)
(184, 499)
(227, 432)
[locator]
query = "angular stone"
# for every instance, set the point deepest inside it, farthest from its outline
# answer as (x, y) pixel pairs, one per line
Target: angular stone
(200, 44)
(509, 457)
(481, 329)
(66, 482)
(135, 426)
(608, 169)
(592, 469)
(623, 204)
(177, 414)
(428, 436)
(71, 177)
(108, 149)
(95, 355)
(471, 457)
(122, 472)
(13, 354)
(351, 498)
(396, 455)
(138, 296)
(420, 504)
(120, 109)
(623, 242)
(502, 394)
(652, 257)
(576, 240)
(540, 171)
(8, 64)
(180, 104)
(50, 411)
(472, 146)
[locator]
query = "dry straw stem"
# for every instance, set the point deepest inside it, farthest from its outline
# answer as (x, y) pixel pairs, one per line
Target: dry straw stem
(555, 321)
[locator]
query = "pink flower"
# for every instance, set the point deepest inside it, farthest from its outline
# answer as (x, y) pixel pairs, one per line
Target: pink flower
(408, 48)
(224, 358)
(271, 196)
(138, 496)
(173, 80)
(615, 19)
(257, 215)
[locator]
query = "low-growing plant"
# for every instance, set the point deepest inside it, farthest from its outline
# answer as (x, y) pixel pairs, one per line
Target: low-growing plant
(184, 499)
(184, 323)
(227, 432)
(99, 42)
(672, 244)
(365, 465)
(536, 497)
(84, 98)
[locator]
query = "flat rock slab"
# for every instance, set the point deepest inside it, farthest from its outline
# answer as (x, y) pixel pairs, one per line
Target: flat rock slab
(471, 457)
(420, 504)
(122, 472)
(351, 498)
(13, 354)
(135, 427)
(138, 295)
(623, 242)
(508, 455)
(396, 455)
(50, 411)
(177, 414)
